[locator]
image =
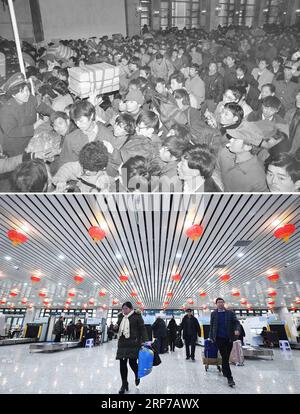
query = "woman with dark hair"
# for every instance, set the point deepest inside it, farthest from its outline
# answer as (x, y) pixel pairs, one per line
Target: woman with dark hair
(63, 97)
(231, 117)
(131, 334)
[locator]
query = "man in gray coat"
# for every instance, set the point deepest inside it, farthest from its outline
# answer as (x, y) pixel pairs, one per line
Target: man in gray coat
(224, 326)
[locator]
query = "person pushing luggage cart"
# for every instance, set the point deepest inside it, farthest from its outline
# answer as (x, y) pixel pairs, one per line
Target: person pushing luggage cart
(224, 326)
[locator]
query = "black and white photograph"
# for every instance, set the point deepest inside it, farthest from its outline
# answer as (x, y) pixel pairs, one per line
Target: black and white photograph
(175, 269)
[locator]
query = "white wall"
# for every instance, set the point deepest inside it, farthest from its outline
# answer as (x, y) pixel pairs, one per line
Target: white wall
(24, 21)
(75, 19)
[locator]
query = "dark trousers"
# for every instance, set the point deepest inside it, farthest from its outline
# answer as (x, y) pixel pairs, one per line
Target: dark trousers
(57, 338)
(161, 341)
(190, 346)
(225, 347)
(124, 369)
(172, 343)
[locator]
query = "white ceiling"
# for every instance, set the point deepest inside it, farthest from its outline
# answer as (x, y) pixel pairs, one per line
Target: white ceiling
(146, 237)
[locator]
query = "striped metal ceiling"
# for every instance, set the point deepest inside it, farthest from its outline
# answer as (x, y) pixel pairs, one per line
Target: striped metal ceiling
(146, 239)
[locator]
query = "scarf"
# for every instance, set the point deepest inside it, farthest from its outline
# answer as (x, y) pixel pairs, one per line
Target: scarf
(125, 326)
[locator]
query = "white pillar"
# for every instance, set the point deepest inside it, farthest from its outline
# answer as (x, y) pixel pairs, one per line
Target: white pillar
(16, 36)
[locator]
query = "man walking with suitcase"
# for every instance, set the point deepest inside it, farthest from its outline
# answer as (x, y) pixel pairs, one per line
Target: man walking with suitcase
(224, 326)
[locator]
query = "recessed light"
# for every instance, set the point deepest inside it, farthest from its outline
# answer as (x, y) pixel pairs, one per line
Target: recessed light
(276, 223)
(178, 255)
(290, 283)
(7, 258)
(118, 256)
(240, 254)
(247, 283)
(61, 256)
(59, 284)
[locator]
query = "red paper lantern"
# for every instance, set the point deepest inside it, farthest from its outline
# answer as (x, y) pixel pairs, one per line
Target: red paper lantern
(68, 300)
(204, 307)
(293, 308)
(30, 306)
(272, 293)
(12, 306)
(17, 237)
(194, 232)
(235, 293)
(166, 303)
(78, 279)
(96, 233)
(202, 294)
(102, 294)
(139, 303)
(123, 278)
(24, 301)
(225, 278)
(42, 293)
(176, 278)
(285, 232)
(169, 295)
(190, 302)
(298, 302)
(13, 293)
(72, 293)
(46, 302)
(271, 302)
(35, 278)
(273, 278)
(133, 294)
(3, 301)
(91, 301)
(115, 302)
(84, 305)
(244, 301)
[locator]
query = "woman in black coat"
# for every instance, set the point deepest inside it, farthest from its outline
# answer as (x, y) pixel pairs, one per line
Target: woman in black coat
(172, 332)
(160, 333)
(131, 334)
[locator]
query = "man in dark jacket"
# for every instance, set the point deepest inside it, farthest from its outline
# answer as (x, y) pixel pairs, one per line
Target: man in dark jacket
(160, 332)
(224, 326)
(191, 329)
(58, 329)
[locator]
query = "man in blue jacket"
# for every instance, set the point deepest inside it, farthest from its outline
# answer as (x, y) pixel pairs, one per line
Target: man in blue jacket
(224, 326)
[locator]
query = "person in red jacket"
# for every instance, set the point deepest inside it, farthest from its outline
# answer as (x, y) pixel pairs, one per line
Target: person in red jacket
(18, 115)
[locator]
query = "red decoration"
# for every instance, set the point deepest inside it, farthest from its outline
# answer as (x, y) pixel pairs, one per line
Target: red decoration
(273, 278)
(272, 293)
(169, 295)
(42, 293)
(71, 293)
(133, 294)
(176, 278)
(293, 308)
(244, 301)
(271, 302)
(202, 294)
(115, 302)
(68, 300)
(24, 301)
(225, 278)
(12, 306)
(190, 302)
(3, 301)
(78, 279)
(96, 233)
(84, 305)
(91, 301)
(235, 293)
(194, 232)
(13, 293)
(139, 303)
(123, 278)
(102, 294)
(17, 237)
(204, 307)
(35, 278)
(46, 302)
(166, 303)
(285, 232)
(297, 302)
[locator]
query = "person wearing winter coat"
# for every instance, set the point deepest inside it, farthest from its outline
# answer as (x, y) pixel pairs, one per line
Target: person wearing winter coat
(18, 116)
(172, 333)
(224, 327)
(131, 334)
(190, 329)
(160, 333)
(214, 87)
(58, 329)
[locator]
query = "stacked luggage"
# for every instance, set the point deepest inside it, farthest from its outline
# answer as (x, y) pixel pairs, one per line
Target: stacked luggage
(100, 78)
(211, 355)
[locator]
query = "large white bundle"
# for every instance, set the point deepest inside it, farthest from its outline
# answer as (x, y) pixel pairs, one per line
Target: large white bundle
(101, 77)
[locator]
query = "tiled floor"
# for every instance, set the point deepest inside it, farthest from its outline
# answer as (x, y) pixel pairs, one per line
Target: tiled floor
(95, 371)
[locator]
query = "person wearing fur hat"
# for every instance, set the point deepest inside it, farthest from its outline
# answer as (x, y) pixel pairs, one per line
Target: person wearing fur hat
(18, 116)
(131, 334)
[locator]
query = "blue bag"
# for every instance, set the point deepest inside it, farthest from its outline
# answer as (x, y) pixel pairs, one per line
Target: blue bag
(145, 363)
(210, 349)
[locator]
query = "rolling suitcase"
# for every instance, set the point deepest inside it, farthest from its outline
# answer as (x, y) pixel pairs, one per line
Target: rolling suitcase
(237, 354)
(211, 356)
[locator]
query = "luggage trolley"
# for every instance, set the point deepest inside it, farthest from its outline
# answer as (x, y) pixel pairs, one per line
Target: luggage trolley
(211, 355)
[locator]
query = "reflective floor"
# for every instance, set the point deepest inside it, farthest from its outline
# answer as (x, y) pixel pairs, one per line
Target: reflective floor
(96, 371)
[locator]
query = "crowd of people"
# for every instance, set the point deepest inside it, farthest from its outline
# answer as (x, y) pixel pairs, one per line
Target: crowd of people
(195, 112)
